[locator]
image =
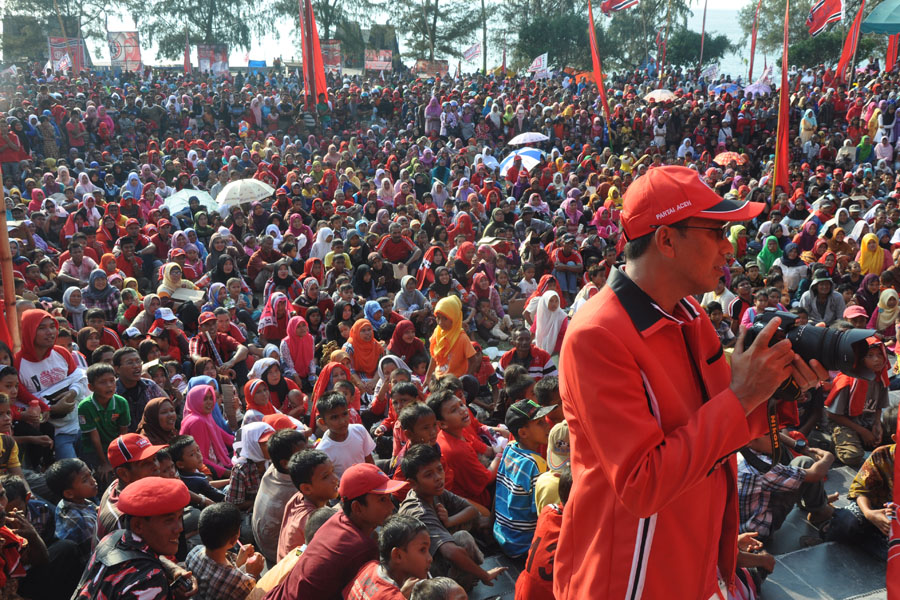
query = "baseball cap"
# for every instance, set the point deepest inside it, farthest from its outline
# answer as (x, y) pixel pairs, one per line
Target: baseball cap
(520, 413)
(851, 312)
(206, 317)
(558, 446)
(131, 447)
(366, 478)
(132, 333)
(153, 496)
(278, 422)
(178, 252)
(165, 314)
(670, 194)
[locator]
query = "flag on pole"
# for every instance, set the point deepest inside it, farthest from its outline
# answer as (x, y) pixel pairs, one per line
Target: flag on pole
(187, 54)
(595, 59)
(891, 59)
(313, 65)
(538, 64)
(782, 139)
(64, 63)
(611, 6)
(472, 53)
(753, 40)
(822, 13)
(840, 72)
(702, 34)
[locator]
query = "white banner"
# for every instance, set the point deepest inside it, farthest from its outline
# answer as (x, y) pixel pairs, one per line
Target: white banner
(538, 64)
(710, 72)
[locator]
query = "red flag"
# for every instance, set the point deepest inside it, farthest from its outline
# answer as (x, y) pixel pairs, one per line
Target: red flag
(187, 54)
(595, 59)
(822, 13)
(782, 139)
(893, 560)
(891, 59)
(753, 41)
(608, 6)
(849, 46)
(313, 66)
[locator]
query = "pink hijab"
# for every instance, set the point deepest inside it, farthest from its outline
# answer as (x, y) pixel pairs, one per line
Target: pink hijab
(214, 442)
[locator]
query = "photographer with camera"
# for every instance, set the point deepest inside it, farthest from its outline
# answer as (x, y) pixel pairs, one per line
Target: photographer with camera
(655, 421)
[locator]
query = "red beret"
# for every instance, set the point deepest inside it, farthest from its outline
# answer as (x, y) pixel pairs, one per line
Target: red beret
(153, 496)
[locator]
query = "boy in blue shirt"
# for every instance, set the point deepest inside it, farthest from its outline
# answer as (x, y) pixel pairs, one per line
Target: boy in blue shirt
(76, 514)
(520, 466)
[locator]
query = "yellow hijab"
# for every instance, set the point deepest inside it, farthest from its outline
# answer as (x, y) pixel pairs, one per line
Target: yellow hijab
(614, 195)
(169, 285)
(442, 341)
(871, 262)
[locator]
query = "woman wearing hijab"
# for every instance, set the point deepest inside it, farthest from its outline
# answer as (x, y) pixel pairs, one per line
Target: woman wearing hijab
(793, 269)
(322, 246)
(770, 252)
(313, 267)
(738, 238)
(872, 258)
(434, 258)
(807, 237)
(333, 372)
(365, 351)
(172, 281)
(411, 303)
(158, 422)
(550, 323)
(297, 353)
(214, 443)
(274, 318)
(884, 318)
(867, 295)
(364, 283)
(462, 227)
(864, 150)
(450, 347)
(374, 314)
(283, 280)
(808, 126)
(404, 342)
(75, 308)
(99, 294)
(818, 251)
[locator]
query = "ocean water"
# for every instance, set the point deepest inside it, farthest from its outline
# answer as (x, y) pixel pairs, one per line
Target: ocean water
(725, 22)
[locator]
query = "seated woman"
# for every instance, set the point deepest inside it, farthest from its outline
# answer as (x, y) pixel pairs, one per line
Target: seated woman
(884, 317)
(274, 319)
(297, 353)
(444, 285)
(283, 280)
(284, 394)
(173, 281)
(365, 352)
(99, 294)
(451, 349)
(158, 421)
(214, 443)
(413, 306)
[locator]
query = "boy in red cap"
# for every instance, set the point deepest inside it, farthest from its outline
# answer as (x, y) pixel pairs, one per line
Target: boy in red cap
(130, 562)
(132, 457)
(345, 542)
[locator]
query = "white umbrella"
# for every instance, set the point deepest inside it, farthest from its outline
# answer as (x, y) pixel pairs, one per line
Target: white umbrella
(529, 137)
(243, 191)
(659, 95)
(530, 158)
(755, 89)
(178, 201)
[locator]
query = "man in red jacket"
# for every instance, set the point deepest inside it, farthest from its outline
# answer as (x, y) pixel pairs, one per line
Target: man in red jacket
(655, 413)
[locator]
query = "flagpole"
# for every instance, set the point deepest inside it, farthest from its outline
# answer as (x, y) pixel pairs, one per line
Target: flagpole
(862, 5)
(483, 40)
(702, 35)
(662, 67)
(781, 174)
(753, 41)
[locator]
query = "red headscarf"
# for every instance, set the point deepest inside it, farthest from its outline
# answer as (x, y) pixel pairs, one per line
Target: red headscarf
(398, 347)
(321, 388)
(302, 349)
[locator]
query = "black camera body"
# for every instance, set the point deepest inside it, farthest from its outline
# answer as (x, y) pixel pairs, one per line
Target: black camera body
(837, 350)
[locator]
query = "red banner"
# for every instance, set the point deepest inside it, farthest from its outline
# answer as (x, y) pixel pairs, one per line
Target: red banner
(891, 59)
(314, 80)
(782, 139)
(331, 55)
(849, 49)
(378, 60)
(595, 59)
(212, 58)
(124, 50)
(66, 54)
(893, 559)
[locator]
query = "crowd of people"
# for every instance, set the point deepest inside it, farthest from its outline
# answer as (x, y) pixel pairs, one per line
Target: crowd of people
(348, 388)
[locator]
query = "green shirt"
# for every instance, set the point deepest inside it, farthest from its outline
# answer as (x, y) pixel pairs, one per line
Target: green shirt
(106, 421)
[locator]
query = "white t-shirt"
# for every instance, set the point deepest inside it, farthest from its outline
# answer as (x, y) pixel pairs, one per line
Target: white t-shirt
(351, 451)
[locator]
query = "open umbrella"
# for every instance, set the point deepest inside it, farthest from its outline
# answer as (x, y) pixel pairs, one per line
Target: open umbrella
(243, 191)
(756, 89)
(530, 158)
(726, 88)
(723, 158)
(659, 95)
(529, 137)
(178, 201)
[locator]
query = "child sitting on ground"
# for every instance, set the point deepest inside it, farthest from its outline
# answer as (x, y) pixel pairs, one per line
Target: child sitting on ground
(76, 514)
(722, 327)
(222, 575)
(188, 460)
(855, 405)
(439, 588)
(312, 472)
(103, 416)
(522, 463)
(345, 443)
(403, 560)
(456, 554)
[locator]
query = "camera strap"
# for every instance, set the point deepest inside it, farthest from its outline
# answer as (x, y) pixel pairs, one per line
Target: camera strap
(772, 421)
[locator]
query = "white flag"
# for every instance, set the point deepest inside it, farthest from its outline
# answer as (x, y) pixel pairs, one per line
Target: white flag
(538, 64)
(472, 53)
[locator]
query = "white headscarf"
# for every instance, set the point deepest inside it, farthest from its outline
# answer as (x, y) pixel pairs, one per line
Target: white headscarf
(547, 323)
(272, 229)
(321, 247)
(250, 435)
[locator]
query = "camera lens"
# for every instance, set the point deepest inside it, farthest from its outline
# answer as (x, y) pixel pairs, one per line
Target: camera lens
(837, 350)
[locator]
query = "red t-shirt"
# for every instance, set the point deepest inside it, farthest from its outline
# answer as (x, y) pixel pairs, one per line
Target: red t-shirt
(393, 251)
(470, 478)
(370, 584)
(536, 581)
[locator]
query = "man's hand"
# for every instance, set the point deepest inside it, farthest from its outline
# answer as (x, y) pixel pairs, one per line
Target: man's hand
(880, 519)
(758, 371)
(65, 405)
(490, 576)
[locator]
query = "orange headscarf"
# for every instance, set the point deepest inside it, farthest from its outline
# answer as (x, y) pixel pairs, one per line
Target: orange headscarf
(365, 354)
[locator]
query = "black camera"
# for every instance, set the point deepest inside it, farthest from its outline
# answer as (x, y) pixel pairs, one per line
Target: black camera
(837, 350)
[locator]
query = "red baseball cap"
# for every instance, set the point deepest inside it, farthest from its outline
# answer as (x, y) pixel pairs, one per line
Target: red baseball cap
(667, 195)
(366, 478)
(131, 447)
(206, 316)
(153, 496)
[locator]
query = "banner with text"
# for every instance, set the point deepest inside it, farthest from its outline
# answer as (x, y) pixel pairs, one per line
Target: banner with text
(212, 58)
(66, 54)
(331, 56)
(472, 53)
(124, 50)
(432, 68)
(378, 60)
(538, 64)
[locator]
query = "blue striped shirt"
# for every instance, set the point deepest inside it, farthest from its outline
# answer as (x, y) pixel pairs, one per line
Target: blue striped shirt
(516, 512)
